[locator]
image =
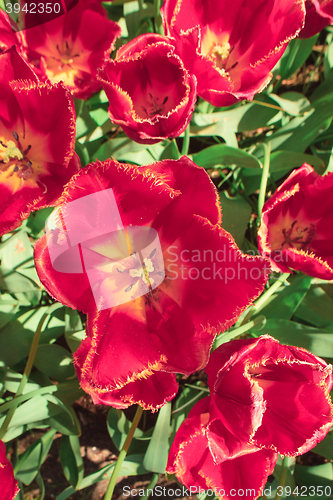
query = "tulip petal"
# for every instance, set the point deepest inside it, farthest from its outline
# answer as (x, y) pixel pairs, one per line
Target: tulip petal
(9, 486)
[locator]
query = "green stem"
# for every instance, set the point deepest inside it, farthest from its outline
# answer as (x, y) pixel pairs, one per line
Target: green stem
(25, 376)
(264, 177)
(123, 453)
(158, 17)
(186, 140)
(151, 486)
(264, 298)
(226, 337)
(283, 477)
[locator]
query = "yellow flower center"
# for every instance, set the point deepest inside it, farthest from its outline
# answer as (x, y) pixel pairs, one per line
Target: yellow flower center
(221, 53)
(8, 151)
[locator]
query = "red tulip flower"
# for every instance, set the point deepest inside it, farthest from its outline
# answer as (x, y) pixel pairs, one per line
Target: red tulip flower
(271, 395)
(9, 487)
(231, 47)
(157, 287)
(151, 94)
(37, 134)
(319, 13)
(72, 47)
(200, 464)
(295, 229)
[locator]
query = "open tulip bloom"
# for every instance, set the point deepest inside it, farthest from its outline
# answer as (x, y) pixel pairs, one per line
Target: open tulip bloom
(231, 47)
(175, 281)
(296, 223)
(72, 47)
(151, 94)
(36, 159)
(265, 398)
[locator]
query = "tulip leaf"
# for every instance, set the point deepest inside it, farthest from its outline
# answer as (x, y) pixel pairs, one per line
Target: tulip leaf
(71, 460)
(55, 361)
(156, 455)
(182, 406)
(66, 422)
(221, 154)
(236, 213)
(17, 335)
(295, 55)
(118, 426)
(320, 342)
(132, 466)
(32, 459)
(318, 475)
(317, 308)
(293, 103)
(285, 302)
(325, 447)
(300, 132)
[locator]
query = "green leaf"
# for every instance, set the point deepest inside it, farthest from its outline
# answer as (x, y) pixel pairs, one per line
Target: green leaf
(71, 460)
(220, 154)
(293, 103)
(118, 426)
(156, 455)
(318, 475)
(295, 55)
(17, 335)
(132, 466)
(317, 308)
(182, 406)
(66, 423)
(285, 301)
(125, 149)
(236, 213)
(320, 342)
(32, 459)
(300, 132)
(55, 361)
(325, 447)
(36, 220)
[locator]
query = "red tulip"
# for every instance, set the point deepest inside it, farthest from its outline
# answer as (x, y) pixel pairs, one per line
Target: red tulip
(319, 13)
(151, 94)
(157, 285)
(37, 134)
(201, 465)
(271, 395)
(72, 47)
(232, 47)
(9, 487)
(295, 229)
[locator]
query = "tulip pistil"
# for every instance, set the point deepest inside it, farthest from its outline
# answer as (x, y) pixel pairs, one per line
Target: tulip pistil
(154, 106)
(12, 160)
(298, 236)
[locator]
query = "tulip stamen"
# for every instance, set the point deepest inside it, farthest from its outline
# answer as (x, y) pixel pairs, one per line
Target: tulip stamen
(155, 108)
(297, 236)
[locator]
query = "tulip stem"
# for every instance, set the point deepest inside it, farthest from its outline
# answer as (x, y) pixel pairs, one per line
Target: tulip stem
(264, 298)
(186, 140)
(151, 486)
(264, 177)
(158, 17)
(123, 453)
(25, 376)
(283, 477)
